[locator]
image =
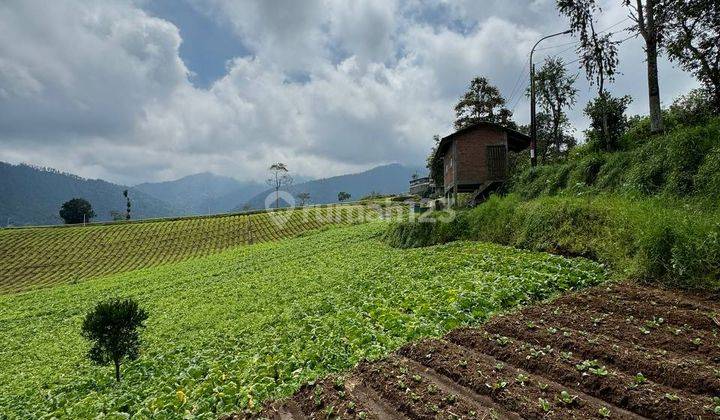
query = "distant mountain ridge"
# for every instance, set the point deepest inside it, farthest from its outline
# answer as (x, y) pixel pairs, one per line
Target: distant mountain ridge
(203, 193)
(32, 195)
(387, 179)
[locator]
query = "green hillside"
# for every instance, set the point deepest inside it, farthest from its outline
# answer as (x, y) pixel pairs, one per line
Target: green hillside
(227, 331)
(41, 257)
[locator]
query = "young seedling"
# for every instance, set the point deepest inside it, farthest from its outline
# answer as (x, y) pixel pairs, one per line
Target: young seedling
(567, 355)
(697, 341)
(639, 379)
(544, 404)
(604, 412)
(432, 389)
(351, 406)
(497, 385)
(543, 386)
(601, 371)
(463, 363)
(417, 378)
(451, 398)
(499, 366)
(566, 398)
(503, 341)
(671, 397)
(521, 379)
(552, 330)
(567, 334)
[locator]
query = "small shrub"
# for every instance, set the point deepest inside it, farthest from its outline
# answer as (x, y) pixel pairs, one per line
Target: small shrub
(112, 326)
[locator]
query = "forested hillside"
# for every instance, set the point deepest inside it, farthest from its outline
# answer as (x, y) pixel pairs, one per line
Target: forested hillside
(204, 193)
(388, 179)
(33, 196)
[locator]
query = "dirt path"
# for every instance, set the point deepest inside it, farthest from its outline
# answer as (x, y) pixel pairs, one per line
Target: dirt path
(622, 351)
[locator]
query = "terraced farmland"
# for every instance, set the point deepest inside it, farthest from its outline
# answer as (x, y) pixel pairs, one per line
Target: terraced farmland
(624, 352)
(40, 257)
(228, 331)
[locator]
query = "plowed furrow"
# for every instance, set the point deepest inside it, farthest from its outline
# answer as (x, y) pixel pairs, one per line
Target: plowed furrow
(514, 389)
(669, 369)
(649, 333)
(617, 388)
(414, 394)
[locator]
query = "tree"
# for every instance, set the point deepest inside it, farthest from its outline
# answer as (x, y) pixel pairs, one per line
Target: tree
(607, 121)
(482, 102)
(556, 91)
(343, 196)
(304, 198)
(598, 53)
(279, 178)
(692, 41)
(77, 210)
(435, 165)
(116, 216)
(112, 327)
(127, 198)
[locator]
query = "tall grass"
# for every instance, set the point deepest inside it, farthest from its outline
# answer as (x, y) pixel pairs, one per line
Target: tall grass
(650, 240)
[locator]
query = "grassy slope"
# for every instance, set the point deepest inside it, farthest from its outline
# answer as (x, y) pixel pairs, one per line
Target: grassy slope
(41, 257)
(228, 330)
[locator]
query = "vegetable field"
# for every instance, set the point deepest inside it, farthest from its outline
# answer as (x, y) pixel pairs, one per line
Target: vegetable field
(41, 257)
(621, 352)
(227, 331)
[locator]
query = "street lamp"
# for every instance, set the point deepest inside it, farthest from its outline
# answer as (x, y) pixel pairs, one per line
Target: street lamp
(533, 122)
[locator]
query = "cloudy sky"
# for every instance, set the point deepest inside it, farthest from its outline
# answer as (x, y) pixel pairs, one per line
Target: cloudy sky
(145, 90)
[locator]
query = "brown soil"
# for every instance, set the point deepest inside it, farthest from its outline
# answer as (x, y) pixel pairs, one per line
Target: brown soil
(622, 351)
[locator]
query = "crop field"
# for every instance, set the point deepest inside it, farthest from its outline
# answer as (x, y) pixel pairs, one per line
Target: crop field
(40, 257)
(623, 351)
(228, 331)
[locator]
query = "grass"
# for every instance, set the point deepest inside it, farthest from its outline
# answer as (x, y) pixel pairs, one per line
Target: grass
(650, 239)
(229, 330)
(41, 257)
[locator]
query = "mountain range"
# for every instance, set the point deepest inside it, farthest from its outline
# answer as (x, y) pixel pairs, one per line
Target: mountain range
(33, 195)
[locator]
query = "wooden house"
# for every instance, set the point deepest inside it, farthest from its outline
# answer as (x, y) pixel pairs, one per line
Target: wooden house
(476, 159)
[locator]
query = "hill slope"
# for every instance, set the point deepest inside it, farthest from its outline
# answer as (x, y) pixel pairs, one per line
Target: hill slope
(33, 196)
(388, 179)
(203, 193)
(228, 331)
(42, 257)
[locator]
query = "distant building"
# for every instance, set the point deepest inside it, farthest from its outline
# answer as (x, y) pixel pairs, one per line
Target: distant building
(475, 159)
(424, 187)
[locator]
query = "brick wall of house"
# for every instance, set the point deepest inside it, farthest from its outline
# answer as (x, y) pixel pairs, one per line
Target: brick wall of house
(471, 153)
(449, 167)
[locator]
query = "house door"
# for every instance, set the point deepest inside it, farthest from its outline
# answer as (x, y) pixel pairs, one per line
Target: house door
(497, 162)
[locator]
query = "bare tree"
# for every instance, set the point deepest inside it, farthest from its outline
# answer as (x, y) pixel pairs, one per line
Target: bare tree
(279, 178)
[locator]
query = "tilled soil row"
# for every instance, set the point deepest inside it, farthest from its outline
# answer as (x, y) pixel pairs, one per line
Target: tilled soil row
(621, 351)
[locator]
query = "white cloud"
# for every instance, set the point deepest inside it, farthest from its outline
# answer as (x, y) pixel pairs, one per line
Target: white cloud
(99, 88)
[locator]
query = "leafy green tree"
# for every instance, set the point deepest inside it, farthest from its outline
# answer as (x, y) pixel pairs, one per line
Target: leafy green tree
(77, 210)
(482, 102)
(435, 165)
(112, 327)
(343, 196)
(555, 92)
(693, 41)
(607, 121)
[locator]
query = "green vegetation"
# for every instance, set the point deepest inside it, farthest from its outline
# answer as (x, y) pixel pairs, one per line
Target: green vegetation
(648, 211)
(112, 327)
(229, 330)
(41, 257)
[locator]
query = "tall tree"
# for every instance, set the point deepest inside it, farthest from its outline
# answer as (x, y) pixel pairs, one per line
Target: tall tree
(77, 210)
(482, 102)
(599, 53)
(651, 17)
(693, 41)
(556, 92)
(127, 199)
(278, 178)
(343, 196)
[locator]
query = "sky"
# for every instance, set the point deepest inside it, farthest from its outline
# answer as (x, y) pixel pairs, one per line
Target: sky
(153, 90)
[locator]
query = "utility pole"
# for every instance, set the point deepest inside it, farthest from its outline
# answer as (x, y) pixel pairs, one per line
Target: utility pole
(533, 122)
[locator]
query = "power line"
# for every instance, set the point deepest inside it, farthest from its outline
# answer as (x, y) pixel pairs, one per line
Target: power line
(517, 81)
(577, 42)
